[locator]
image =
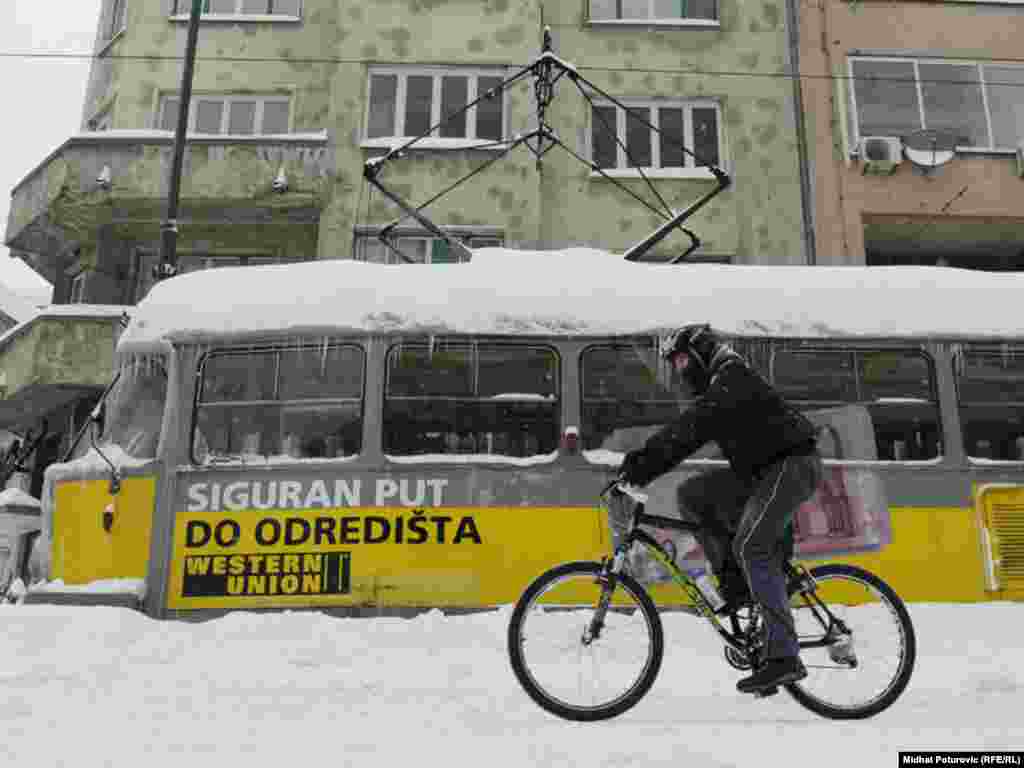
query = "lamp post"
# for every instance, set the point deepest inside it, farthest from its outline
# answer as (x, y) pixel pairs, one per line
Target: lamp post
(168, 266)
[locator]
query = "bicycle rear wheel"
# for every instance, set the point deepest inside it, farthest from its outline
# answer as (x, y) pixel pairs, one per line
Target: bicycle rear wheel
(561, 667)
(865, 659)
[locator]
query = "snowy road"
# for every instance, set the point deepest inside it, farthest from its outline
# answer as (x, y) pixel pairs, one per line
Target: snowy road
(103, 687)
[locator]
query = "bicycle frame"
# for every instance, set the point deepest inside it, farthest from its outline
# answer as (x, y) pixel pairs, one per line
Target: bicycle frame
(734, 638)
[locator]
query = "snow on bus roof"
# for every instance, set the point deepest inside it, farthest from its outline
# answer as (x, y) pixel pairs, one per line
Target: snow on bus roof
(578, 291)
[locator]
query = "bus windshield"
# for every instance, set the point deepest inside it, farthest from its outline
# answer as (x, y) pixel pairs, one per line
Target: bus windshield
(135, 408)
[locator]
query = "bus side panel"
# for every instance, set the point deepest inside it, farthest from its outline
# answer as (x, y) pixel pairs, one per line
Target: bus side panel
(83, 549)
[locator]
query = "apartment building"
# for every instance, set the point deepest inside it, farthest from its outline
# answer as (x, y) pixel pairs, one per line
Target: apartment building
(914, 115)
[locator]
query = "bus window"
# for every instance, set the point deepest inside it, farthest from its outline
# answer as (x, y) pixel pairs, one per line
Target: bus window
(280, 404)
(135, 408)
(887, 393)
(627, 395)
(459, 398)
(990, 384)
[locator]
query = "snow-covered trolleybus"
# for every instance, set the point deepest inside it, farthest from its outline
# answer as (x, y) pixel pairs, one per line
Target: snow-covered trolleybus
(346, 435)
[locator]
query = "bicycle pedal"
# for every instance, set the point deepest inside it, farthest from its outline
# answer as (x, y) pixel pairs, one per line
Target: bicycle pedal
(766, 692)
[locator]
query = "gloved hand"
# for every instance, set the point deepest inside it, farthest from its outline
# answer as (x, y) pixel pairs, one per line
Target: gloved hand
(631, 470)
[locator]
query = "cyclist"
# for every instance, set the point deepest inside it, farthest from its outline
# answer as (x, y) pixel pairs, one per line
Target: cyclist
(772, 451)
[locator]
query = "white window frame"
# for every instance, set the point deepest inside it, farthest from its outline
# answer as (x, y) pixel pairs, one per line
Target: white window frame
(979, 66)
(652, 20)
(114, 24)
(434, 141)
(181, 11)
(689, 171)
(227, 98)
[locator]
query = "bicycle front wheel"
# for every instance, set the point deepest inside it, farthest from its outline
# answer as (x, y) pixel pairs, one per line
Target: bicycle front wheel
(863, 646)
(565, 666)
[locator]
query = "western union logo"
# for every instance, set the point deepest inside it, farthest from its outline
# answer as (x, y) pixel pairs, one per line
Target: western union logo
(262, 575)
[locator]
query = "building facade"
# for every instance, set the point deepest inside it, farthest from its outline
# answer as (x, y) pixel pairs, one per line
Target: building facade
(879, 77)
(291, 99)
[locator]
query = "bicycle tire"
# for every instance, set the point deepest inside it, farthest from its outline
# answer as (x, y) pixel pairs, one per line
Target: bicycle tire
(527, 674)
(907, 648)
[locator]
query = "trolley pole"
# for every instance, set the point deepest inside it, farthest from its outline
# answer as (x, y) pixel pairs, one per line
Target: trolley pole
(168, 266)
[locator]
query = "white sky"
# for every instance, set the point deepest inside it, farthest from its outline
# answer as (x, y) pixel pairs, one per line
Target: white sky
(95, 687)
(42, 100)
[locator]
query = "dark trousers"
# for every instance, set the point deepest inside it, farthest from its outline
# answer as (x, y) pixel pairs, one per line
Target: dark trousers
(760, 536)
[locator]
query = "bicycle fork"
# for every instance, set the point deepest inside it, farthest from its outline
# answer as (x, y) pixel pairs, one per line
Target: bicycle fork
(607, 579)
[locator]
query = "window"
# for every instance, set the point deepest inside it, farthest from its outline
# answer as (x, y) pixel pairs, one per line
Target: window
(135, 407)
(404, 104)
(893, 389)
(650, 134)
(463, 398)
(78, 289)
(982, 103)
(422, 249)
(990, 384)
(234, 115)
(286, 8)
(654, 10)
(627, 394)
(280, 404)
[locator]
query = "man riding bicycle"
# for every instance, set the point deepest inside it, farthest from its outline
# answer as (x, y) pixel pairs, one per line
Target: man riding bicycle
(775, 466)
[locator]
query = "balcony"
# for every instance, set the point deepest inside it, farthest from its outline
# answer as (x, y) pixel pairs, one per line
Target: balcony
(120, 179)
(62, 354)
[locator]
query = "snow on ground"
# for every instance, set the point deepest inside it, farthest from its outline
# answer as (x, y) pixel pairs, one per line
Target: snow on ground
(108, 687)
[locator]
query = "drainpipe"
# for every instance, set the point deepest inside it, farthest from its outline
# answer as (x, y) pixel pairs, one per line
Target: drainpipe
(169, 226)
(806, 192)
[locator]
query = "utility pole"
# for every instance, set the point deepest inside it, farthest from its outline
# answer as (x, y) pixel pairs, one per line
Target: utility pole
(168, 266)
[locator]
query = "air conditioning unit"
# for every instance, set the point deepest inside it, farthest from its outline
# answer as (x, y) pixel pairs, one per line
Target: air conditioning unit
(880, 155)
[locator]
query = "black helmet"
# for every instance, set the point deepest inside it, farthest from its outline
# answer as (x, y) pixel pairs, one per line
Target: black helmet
(700, 343)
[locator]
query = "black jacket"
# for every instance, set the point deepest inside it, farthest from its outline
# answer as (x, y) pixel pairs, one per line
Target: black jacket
(750, 421)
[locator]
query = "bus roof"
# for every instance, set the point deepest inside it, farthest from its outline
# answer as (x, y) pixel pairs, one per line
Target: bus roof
(577, 292)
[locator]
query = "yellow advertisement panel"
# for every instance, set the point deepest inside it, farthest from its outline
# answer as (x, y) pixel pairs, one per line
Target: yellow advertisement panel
(450, 556)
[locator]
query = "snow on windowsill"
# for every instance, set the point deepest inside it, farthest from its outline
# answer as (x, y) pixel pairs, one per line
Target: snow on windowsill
(15, 497)
(433, 142)
(655, 173)
(668, 23)
(151, 134)
(135, 587)
(243, 18)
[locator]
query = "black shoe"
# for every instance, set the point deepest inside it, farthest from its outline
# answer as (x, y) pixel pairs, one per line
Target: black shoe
(773, 673)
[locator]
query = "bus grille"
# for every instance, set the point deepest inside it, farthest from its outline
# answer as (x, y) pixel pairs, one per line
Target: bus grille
(1007, 529)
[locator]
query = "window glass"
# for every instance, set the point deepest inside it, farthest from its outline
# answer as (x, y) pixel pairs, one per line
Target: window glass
(208, 115)
(1005, 88)
(221, 6)
(705, 135)
(990, 384)
(242, 118)
(635, 9)
(287, 7)
(256, 6)
(953, 101)
(877, 404)
(454, 97)
(283, 404)
(383, 90)
(605, 149)
(602, 9)
(489, 112)
(169, 114)
(471, 399)
(135, 408)
(671, 137)
(815, 377)
(638, 137)
(886, 94)
(275, 117)
(418, 99)
(627, 394)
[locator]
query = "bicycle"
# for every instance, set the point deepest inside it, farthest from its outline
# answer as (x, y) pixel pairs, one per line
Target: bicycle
(594, 612)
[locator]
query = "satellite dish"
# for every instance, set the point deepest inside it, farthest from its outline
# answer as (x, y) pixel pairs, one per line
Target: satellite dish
(930, 148)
